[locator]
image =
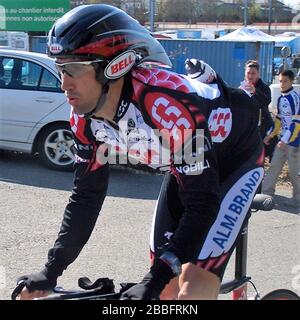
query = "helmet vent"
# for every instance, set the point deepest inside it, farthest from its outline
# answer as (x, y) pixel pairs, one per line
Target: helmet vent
(75, 35)
(67, 30)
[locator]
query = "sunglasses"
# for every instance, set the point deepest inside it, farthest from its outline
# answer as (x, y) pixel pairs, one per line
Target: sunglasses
(75, 69)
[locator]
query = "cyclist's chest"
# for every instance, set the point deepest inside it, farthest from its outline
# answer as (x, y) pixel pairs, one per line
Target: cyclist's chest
(129, 128)
(130, 135)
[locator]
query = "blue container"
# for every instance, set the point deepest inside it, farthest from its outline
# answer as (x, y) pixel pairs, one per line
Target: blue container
(226, 57)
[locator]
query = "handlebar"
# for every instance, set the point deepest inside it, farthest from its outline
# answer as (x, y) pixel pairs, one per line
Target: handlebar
(262, 202)
(101, 289)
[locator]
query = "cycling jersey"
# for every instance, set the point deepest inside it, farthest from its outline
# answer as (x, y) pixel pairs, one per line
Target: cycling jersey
(288, 118)
(158, 99)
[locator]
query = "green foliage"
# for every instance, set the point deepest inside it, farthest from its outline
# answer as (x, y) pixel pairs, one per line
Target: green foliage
(193, 11)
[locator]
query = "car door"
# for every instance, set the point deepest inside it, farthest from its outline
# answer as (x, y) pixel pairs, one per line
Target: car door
(29, 93)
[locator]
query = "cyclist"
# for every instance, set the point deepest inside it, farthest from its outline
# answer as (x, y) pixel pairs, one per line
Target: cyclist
(105, 59)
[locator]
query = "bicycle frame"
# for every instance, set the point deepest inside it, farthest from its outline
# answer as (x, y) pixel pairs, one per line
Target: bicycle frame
(238, 286)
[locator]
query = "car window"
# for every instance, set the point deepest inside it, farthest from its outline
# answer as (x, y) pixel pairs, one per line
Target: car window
(27, 75)
(49, 82)
(2, 74)
(15, 71)
(31, 73)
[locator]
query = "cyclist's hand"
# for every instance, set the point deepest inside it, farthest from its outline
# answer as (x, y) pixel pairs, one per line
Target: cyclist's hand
(37, 282)
(26, 295)
(140, 291)
(153, 283)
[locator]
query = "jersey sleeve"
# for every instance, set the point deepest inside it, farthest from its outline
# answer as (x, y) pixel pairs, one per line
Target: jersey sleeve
(276, 128)
(85, 202)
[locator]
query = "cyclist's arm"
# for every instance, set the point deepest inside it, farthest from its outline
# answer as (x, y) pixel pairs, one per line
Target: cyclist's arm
(90, 186)
(78, 222)
(81, 213)
(79, 218)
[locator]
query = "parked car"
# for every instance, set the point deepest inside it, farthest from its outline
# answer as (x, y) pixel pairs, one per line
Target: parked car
(34, 113)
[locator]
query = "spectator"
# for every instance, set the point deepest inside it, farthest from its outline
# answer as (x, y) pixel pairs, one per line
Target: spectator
(288, 119)
(261, 92)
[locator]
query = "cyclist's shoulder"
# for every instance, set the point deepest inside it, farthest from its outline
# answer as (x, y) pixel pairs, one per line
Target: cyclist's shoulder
(159, 79)
(161, 83)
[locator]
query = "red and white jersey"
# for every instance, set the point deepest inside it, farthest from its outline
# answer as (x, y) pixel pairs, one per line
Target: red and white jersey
(156, 100)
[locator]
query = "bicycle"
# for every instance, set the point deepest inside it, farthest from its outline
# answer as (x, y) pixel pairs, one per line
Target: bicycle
(238, 286)
(104, 288)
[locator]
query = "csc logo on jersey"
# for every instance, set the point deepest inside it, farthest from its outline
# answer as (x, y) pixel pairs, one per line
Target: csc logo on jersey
(220, 124)
(168, 113)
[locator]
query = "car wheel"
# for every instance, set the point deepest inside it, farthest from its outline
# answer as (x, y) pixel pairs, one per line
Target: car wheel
(56, 147)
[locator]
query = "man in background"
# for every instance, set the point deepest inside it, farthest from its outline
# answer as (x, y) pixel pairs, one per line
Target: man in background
(287, 149)
(260, 91)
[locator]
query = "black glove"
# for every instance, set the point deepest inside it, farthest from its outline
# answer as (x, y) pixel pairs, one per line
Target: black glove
(43, 280)
(153, 283)
(140, 291)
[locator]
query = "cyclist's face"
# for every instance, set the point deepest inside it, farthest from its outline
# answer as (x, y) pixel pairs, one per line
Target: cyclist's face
(80, 85)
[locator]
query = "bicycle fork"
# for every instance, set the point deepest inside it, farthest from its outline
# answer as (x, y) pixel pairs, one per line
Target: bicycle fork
(240, 292)
(240, 276)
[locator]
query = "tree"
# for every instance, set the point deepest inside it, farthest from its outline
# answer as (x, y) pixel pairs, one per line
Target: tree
(116, 3)
(206, 10)
(141, 14)
(181, 10)
(254, 13)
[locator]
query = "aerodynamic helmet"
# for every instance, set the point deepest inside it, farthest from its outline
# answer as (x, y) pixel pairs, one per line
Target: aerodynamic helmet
(106, 33)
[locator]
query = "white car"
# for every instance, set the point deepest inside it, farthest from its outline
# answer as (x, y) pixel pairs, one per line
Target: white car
(34, 113)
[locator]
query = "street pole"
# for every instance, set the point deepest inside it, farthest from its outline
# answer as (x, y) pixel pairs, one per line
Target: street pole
(245, 13)
(151, 14)
(270, 16)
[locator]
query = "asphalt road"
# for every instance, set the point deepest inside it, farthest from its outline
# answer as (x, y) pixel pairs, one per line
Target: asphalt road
(32, 201)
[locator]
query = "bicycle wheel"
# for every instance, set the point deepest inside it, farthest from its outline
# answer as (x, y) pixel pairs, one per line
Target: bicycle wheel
(281, 294)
